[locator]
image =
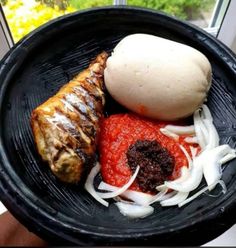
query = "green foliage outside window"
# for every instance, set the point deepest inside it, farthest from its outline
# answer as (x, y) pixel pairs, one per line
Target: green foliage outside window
(184, 9)
(25, 15)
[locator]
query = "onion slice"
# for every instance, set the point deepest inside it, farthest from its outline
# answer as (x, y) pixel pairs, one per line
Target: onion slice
(193, 151)
(213, 137)
(207, 113)
(191, 140)
(192, 181)
(180, 129)
(190, 162)
(122, 189)
(185, 173)
(224, 190)
(198, 129)
(228, 157)
(169, 134)
(140, 198)
(89, 185)
(134, 211)
(212, 167)
(159, 196)
(175, 200)
(168, 195)
(193, 197)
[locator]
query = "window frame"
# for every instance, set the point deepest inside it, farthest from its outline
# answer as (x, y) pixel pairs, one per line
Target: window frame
(6, 39)
(227, 30)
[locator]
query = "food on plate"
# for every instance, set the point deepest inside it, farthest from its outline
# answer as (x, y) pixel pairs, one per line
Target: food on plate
(156, 77)
(66, 126)
(141, 160)
(128, 139)
(155, 145)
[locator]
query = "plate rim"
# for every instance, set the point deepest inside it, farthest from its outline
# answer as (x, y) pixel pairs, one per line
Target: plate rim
(6, 186)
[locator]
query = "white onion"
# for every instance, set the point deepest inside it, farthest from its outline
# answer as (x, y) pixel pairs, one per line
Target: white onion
(212, 167)
(185, 173)
(134, 211)
(198, 129)
(169, 134)
(193, 151)
(228, 158)
(213, 138)
(190, 162)
(224, 190)
(161, 187)
(203, 129)
(159, 196)
(137, 197)
(180, 129)
(175, 200)
(122, 189)
(168, 195)
(193, 197)
(89, 185)
(192, 181)
(222, 184)
(207, 113)
(191, 140)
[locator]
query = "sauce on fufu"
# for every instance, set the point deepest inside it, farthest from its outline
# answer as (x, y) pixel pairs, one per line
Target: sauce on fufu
(156, 77)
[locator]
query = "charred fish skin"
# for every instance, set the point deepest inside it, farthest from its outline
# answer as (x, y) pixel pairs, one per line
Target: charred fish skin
(66, 126)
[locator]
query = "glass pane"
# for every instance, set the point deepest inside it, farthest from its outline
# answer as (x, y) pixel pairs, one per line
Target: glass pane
(24, 16)
(198, 12)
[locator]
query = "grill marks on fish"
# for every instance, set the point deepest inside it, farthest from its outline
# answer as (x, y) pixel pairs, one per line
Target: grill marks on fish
(66, 126)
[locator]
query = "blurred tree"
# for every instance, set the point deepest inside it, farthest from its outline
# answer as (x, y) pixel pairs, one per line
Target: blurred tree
(81, 4)
(184, 9)
(23, 16)
(62, 4)
(3, 2)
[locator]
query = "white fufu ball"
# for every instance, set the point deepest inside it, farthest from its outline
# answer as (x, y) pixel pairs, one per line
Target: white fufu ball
(156, 77)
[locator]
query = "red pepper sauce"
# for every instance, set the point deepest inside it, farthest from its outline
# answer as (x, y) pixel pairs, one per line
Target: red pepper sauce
(120, 131)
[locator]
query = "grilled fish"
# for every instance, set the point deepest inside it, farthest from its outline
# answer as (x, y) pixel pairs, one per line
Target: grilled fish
(66, 126)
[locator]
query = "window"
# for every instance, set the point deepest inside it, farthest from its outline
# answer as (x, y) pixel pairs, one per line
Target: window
(24, 16)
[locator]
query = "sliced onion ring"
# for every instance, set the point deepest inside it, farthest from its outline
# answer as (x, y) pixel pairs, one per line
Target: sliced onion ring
(191, 140)
(180, 129)
(206, 112)
(175, 200)
(140, 198)
(221, 182)
(122, 189)
(212, 167)
(89, 185)
(228, 158)
(192, 181)
(134, 211)
(169, 134)
(198, 129)
(193, 151)
(190, 162)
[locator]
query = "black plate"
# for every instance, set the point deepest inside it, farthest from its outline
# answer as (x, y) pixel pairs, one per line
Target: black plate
(36, 68)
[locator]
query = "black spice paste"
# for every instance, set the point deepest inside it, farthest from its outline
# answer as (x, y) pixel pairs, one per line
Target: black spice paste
(156, 163)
